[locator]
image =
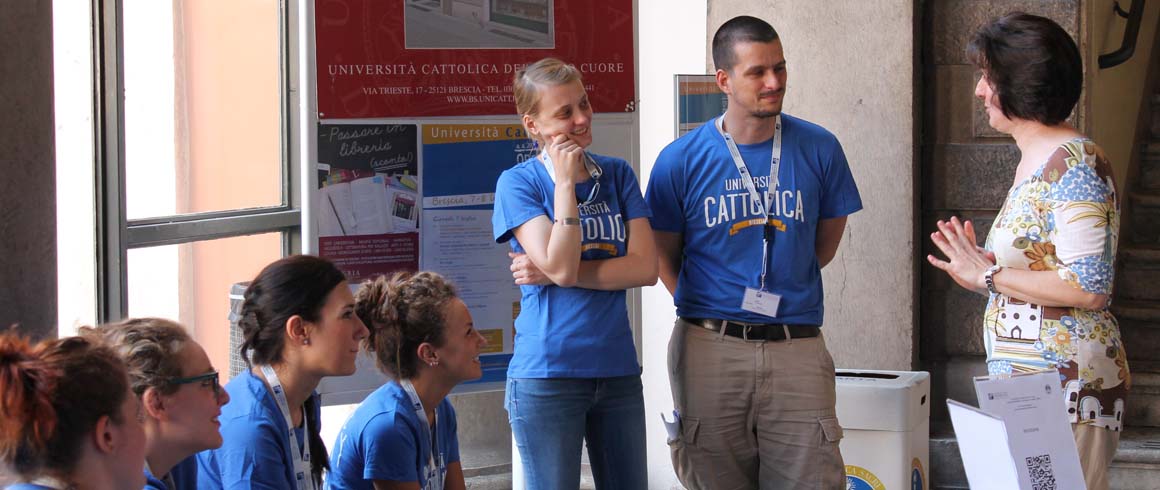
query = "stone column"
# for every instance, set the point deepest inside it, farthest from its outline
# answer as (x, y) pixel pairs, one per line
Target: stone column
(28, 182)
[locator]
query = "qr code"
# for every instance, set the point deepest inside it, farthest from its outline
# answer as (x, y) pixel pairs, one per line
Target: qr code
(1040, 470)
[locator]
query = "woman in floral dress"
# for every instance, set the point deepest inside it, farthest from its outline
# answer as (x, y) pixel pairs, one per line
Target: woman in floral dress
(1048, 262)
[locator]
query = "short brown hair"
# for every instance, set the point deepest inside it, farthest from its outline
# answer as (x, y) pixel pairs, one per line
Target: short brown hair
(740, 29)
(402, 312)
(1033, 65)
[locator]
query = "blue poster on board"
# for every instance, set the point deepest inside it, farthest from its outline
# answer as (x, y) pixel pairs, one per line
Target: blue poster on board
(699, 100)
(464, 161)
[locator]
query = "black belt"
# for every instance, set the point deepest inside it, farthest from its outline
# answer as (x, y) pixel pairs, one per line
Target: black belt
(772, 332)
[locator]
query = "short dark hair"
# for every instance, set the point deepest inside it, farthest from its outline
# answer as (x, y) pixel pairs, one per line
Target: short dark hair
(1032, 64)
(740, 29)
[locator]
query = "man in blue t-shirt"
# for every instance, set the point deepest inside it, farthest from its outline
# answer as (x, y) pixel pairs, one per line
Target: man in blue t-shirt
(747, 210)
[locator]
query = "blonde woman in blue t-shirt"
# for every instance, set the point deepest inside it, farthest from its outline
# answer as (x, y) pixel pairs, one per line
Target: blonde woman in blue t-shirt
(580, 236)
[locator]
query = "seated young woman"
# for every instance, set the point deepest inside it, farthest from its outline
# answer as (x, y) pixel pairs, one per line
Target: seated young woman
(68, 419)
(403, 436)
(299, 326)
(179, 392)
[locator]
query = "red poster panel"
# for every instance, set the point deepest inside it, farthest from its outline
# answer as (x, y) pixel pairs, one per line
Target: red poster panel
(419, 58)
(366, 256)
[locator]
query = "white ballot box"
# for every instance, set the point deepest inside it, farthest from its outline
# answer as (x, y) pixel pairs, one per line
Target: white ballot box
(885, 417)
(1020, 436)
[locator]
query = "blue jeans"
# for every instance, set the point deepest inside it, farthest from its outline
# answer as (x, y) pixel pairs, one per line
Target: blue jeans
(552, 417)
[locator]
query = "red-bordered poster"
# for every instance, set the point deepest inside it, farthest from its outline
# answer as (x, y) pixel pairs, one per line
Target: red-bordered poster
(419, 58)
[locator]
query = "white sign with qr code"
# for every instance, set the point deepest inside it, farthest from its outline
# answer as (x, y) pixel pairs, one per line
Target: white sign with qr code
(1033, 409)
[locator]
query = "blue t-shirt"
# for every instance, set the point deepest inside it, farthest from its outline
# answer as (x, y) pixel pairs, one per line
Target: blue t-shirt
(183, 475)
(255, 453)
(154, 483)
(696, 190)
(572, 332)
(384, 439)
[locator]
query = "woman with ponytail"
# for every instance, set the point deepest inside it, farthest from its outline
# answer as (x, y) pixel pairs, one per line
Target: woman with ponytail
(299, 326)
(403, 436)
(580, 236)
(179, 392)
(67, 417)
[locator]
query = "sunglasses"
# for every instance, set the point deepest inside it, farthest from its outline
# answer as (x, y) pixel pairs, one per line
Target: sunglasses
(207, 380)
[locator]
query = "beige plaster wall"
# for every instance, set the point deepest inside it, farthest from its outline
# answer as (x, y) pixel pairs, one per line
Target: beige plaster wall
(230, 146)
(670, 41)
(1115, 94)
(852, 68)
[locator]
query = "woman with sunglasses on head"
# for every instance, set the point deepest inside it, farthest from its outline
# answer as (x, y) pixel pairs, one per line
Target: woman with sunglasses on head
(579, 230)
(299, 326)
(179, 393)
(403, 436)
(68, 419)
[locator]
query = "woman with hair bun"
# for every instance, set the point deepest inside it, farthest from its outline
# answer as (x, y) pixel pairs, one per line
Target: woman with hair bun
(299, 326)
(68, 419)
(403, 436)
(179, 392)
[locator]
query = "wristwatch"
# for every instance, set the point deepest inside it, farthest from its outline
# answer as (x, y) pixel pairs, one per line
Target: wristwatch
(989, 277)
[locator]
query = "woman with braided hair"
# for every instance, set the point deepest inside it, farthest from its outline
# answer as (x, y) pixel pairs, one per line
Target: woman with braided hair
(68, 419)
(299, 326)
(403, 436)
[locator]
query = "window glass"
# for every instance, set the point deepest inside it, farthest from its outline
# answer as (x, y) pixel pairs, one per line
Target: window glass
(203, 106)
(190, 283)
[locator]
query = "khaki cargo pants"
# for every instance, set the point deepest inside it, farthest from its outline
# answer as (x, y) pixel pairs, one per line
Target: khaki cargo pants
(754, 414)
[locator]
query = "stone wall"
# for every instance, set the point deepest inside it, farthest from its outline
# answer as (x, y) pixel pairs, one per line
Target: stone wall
(967, 168)
(28, 182)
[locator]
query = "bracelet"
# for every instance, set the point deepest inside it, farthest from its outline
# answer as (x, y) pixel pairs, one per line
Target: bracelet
(568, 221)
(989, 278)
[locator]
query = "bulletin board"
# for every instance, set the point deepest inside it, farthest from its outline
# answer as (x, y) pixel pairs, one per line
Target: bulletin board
(407, 161)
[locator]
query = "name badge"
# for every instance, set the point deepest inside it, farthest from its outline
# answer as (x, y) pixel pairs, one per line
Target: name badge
(761, 302)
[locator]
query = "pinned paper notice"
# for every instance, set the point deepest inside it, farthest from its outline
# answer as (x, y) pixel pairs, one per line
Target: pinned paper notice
(983, 446)
(1020, 438)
